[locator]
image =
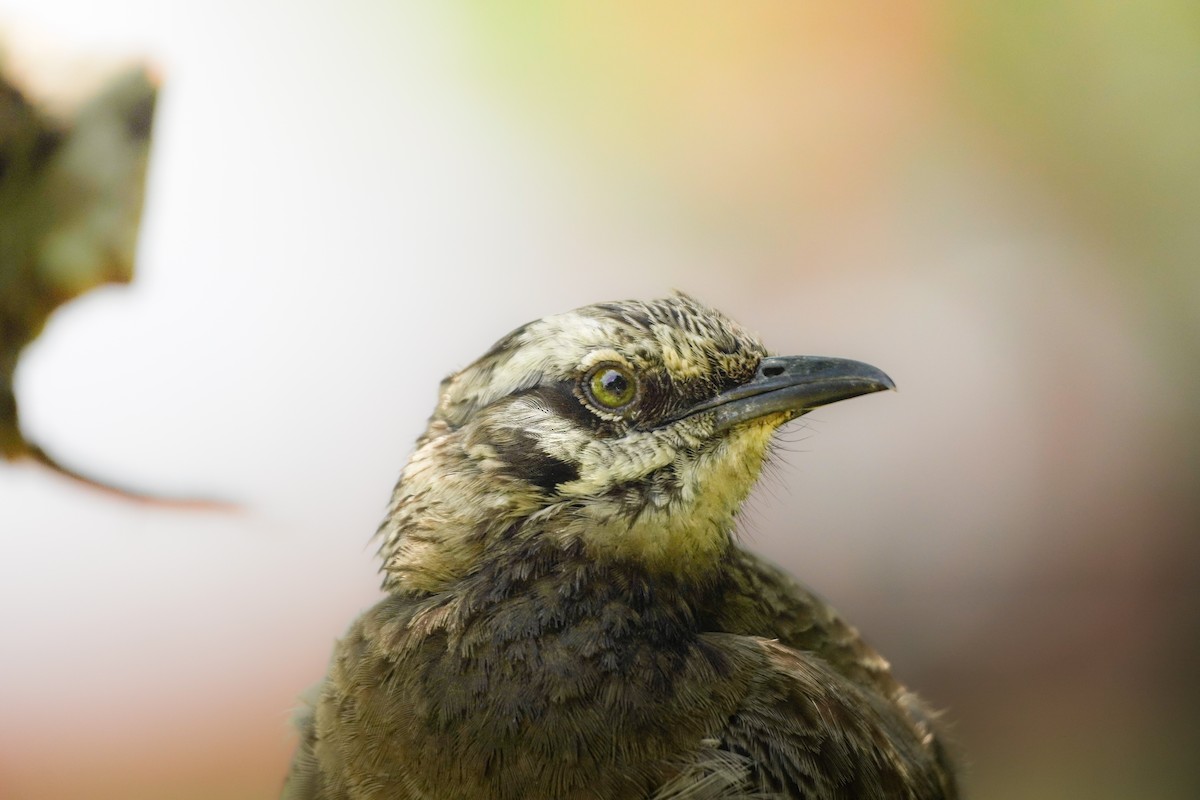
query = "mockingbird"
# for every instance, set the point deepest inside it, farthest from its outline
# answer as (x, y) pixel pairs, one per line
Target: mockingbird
(568, 614)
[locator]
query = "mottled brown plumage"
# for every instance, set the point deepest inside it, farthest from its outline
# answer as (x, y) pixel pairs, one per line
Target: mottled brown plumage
(568, 615)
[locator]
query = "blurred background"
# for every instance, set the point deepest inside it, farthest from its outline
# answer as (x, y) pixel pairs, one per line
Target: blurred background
(996, 202)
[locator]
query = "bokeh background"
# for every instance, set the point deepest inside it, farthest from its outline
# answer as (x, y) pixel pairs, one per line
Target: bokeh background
(997, 202)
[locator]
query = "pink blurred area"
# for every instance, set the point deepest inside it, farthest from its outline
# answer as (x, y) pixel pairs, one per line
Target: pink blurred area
(995, 203)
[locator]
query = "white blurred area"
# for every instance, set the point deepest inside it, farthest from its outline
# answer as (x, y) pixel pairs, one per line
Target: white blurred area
(338, 215)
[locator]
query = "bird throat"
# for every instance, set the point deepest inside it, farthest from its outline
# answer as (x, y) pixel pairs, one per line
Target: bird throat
(680, 519)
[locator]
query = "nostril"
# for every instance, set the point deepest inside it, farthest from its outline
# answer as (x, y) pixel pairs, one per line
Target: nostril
(772, 372)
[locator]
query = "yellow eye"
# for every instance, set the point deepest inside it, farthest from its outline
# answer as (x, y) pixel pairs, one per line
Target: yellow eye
(611, 387)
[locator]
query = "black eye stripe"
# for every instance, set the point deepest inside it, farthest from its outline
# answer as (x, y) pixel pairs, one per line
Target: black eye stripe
(528, 462)
(562, 401)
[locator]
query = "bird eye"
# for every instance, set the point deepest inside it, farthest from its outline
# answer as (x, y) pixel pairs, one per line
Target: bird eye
(611, 387)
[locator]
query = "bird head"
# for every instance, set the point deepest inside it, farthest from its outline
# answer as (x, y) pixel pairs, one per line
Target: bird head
(632, 429)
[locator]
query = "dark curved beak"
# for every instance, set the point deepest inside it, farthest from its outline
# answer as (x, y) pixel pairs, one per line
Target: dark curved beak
(795, 384)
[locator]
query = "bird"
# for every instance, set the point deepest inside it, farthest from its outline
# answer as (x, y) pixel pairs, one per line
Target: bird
(568, 612)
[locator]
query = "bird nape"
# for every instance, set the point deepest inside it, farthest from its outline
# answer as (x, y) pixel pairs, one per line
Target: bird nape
(568, 614)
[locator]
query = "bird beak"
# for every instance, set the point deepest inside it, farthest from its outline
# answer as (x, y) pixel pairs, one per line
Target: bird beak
(795, 384)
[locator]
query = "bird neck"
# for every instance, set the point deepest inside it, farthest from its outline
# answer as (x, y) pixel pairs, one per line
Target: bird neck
(536, 587)
(453, 512)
